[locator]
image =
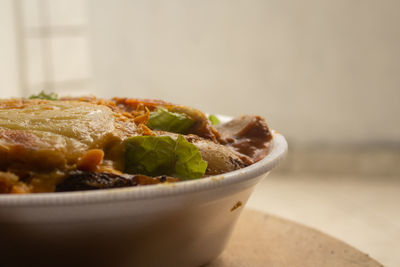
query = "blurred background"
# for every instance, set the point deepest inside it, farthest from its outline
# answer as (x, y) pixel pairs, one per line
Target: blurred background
(326, 74)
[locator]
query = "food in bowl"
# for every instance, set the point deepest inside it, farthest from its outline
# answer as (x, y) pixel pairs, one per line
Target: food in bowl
(51, 144)
(75, 144)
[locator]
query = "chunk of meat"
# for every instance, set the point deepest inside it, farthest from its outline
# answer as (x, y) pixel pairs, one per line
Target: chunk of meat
(248, 135)
(220, 159)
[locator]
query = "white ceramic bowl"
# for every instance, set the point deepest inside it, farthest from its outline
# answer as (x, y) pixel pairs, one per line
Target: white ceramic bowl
(182, 224)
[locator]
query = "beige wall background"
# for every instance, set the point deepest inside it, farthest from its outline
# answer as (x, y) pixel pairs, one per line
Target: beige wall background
(319, 71)
(9, 85)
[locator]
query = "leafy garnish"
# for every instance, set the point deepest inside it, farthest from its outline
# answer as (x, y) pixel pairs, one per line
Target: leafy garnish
(165, 120)
(162, 155)
(150, 155)
(214, 120)
(43, 95)
(189, 163)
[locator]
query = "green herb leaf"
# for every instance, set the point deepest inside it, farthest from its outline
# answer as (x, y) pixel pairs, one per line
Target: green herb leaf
(162, 155)
(214, 120)
(150, 155)
(164, 120)
(189, 163)
(43, 95)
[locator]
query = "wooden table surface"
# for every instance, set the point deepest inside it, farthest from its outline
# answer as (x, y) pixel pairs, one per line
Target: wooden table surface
(265, 240)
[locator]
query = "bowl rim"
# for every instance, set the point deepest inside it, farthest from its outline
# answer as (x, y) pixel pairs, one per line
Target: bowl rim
(276, 154)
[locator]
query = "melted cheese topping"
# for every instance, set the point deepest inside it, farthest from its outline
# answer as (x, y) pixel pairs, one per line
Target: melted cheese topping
(47, 134)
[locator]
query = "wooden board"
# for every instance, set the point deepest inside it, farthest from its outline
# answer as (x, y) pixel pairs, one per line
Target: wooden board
(265, 240)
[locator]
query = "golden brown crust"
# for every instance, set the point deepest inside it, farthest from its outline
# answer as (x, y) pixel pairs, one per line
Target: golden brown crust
(43, 136)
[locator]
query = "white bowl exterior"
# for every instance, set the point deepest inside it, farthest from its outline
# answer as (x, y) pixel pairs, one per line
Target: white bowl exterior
(183, 224)
(183, 230)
